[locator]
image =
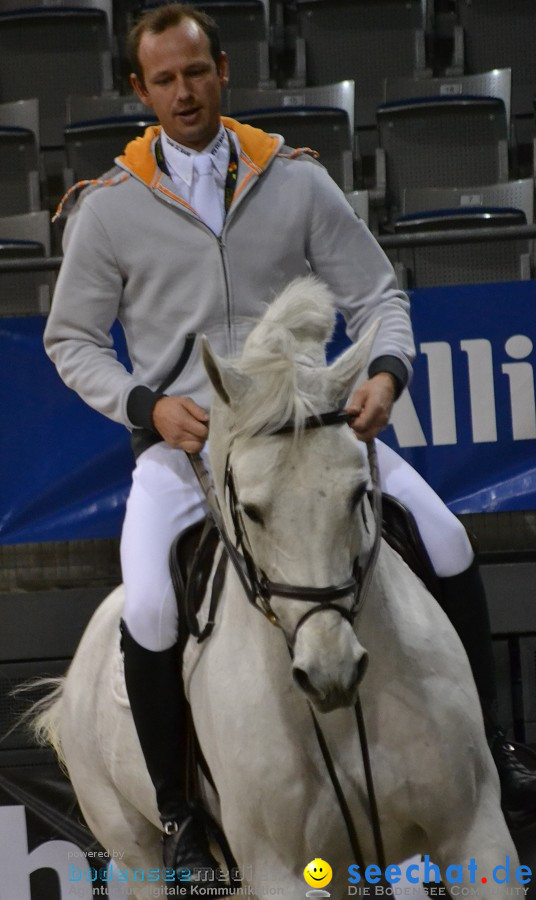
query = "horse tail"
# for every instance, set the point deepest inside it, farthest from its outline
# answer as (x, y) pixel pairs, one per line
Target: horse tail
(43, 717)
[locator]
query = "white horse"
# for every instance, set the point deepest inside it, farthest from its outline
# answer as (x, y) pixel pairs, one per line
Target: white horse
(302, 499)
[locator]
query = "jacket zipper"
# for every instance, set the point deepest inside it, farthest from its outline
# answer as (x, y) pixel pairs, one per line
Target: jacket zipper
(221, 246)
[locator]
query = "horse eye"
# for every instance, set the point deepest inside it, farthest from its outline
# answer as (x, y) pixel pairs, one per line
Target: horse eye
(358, 495)
(253, 513)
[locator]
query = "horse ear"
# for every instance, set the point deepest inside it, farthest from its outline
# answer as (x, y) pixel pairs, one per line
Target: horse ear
(229, 383)
(343, 373)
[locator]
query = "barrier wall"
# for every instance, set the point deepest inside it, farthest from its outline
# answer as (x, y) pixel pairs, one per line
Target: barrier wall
(468, 424)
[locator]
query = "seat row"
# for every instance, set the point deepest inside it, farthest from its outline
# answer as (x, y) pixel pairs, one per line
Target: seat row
(52, 48)
(473, 211)
(452, 132)
(442, 132)
(25, 237)
(418, 264)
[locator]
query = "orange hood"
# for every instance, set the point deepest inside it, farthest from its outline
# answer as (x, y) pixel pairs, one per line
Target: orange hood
(257, 145)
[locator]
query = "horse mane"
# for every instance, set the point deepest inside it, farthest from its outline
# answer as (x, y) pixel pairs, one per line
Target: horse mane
(283, 358)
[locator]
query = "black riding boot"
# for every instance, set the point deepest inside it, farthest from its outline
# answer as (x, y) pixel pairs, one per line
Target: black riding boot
(464, 601)
(156, 700)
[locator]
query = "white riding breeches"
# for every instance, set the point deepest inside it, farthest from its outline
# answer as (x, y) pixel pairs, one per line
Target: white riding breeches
(165, 499)
(442, 533)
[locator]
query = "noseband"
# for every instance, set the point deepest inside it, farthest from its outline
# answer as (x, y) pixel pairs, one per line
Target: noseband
(260, 589)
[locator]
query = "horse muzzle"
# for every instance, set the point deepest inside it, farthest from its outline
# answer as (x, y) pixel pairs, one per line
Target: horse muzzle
(329, 665)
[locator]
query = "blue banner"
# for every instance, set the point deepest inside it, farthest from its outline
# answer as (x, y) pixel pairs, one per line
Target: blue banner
(65, 471)
(468, 423)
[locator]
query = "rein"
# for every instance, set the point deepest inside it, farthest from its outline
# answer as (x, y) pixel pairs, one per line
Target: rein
(259, 589)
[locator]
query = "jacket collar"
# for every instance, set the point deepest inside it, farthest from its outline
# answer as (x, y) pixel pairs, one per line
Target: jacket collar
(258, 149)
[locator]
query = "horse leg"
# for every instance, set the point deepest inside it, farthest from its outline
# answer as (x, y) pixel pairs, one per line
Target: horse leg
(480, 855)
(132, 842)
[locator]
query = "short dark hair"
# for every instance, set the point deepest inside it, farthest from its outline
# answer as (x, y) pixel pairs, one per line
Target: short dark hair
(158, 20)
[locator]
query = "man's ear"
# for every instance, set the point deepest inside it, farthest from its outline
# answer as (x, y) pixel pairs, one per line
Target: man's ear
(139, 88)
(223, 69)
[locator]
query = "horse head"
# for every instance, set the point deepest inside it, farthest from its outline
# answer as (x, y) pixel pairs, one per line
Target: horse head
(294, 498)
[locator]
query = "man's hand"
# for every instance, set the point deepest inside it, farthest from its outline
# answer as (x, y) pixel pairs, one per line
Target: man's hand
(181, 422)
(371, 405)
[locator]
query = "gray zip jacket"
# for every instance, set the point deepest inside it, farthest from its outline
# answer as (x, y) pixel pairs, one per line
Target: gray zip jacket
(136, 252)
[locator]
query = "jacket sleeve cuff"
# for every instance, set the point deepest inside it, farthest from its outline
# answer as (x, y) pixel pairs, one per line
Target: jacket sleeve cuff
(140, 404)
(395, 367)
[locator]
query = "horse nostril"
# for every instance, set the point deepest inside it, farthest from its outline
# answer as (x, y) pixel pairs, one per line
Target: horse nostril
(302, 680)
(361, 667)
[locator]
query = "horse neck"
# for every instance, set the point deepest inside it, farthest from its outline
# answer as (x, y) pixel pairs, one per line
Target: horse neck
(244, 630)
(397, 613)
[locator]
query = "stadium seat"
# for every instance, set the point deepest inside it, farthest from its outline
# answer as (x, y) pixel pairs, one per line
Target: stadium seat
(473, 208)
(106, 7)
(320, 118)
(492, 83)
(452, 137)
(495, 36)
(98, 129)
(360, 202)
(24, 237)
(365, 40)
(244, 36)
(50, 52)
(19, 157)
(517, 194)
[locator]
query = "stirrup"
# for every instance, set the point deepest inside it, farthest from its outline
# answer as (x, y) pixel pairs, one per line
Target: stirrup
(516, 765)
(186, 850)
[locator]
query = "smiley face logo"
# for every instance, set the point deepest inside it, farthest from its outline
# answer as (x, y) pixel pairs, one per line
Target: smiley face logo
(318, 873)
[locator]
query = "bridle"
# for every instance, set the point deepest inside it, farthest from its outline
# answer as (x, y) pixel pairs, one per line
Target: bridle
(260, 589)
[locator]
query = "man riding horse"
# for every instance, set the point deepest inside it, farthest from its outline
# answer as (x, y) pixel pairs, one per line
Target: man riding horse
(193, 231)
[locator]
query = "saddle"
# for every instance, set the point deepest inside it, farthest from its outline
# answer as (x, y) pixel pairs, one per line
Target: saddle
(191, 558)
(400, 530)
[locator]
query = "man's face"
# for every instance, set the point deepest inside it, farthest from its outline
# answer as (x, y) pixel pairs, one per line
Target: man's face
(182, 83)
